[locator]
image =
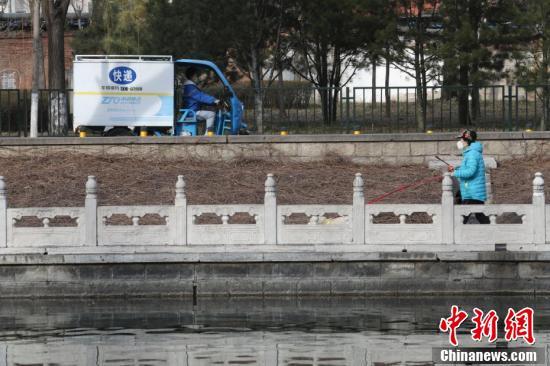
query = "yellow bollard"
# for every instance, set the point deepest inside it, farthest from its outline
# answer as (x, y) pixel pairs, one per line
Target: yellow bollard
(210, 133)
(356, 132)
(82, 134)
(429, 132)
(142, 133)
(284, 133)
(528, 130)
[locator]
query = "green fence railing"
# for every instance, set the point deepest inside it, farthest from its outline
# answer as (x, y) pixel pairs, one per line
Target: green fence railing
(401, 109)
(309, 110)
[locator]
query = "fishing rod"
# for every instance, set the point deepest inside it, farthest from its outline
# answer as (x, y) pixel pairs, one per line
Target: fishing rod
(404, 187)
(416, 184)
(443, 161)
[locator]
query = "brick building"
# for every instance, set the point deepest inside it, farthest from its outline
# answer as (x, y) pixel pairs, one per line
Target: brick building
(16, 60)
(16, 41)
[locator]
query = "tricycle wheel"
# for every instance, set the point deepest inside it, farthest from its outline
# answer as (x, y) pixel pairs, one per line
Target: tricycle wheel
(118, 131)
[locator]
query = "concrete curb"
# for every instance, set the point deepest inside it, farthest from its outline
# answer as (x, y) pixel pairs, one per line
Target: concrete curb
(252, 139)
(271, 257)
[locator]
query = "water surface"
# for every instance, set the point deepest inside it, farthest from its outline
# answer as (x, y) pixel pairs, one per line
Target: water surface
(246, 331)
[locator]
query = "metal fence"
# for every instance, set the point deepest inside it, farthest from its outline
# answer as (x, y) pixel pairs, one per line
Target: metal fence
(302, 109)
(399, 109)
(15, 107)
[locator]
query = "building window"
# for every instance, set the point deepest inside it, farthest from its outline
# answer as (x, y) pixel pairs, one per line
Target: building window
(8, 79)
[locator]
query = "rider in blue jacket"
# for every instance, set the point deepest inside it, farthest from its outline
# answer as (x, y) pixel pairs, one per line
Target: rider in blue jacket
(194, 99)
(471, 173)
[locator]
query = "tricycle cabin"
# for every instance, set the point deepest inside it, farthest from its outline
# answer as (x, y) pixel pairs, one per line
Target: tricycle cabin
(122, 95)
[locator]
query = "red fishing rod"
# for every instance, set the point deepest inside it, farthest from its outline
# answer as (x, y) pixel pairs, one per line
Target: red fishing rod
(404, 187)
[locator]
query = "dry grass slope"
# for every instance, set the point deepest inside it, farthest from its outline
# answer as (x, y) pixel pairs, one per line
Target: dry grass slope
(59, 180)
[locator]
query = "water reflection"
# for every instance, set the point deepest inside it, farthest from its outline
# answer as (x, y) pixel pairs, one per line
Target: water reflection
(293, 331)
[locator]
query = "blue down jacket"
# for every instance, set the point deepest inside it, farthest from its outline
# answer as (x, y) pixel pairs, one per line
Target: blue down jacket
(193, 97)
(471, 173)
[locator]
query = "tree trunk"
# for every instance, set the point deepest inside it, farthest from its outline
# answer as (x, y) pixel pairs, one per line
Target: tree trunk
(387, 89)
(545, 118)
(325, 91)
(56, 13)
(418, 102)
(280, 94)
(35, 10)
(419, 111)
(36, 60)
(334, 103)
(329, 103)
(373, 82)
(463, 95)
(424, 86)
(545, 78)
(259, 109)
(475, 106)
(257, 84)
(325, 102)
(419, 70)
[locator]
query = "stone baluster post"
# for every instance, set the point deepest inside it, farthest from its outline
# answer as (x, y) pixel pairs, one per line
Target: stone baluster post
(180, 222)
(447, 210)
(270, 210)
(3, 213)
(90, 211)
(358, 210)
(539, 210)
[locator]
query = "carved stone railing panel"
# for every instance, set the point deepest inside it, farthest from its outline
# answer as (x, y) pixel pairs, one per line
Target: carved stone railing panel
(45, 234)
(320, 229)
(134, 231)
(403, 231)
(225, 232)
(272, 224)
(493, 233)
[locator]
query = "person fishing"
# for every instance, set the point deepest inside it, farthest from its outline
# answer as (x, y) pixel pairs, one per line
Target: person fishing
(471, 173)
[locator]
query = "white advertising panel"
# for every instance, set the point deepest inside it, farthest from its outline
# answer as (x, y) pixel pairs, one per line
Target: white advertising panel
(123, 93)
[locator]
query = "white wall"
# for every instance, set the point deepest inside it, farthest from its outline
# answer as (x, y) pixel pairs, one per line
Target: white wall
(363, 78)
(22, 6)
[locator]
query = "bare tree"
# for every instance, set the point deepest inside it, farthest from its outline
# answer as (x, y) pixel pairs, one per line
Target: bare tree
(415, 59)
(533, 62)
(56, 15)
(328, 41)
(256, 44)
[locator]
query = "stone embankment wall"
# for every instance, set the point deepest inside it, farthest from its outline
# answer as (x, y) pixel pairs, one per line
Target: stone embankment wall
(379, 148)
(287, 274)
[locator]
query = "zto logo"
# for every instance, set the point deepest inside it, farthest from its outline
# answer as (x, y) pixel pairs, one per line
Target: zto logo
(122, 75)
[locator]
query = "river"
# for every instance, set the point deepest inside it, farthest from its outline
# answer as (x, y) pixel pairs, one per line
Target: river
(242, 331)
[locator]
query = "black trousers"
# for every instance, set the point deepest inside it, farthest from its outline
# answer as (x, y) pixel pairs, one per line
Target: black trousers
(481, 218)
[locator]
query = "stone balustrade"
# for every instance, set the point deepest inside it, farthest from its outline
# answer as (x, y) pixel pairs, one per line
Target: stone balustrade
(269, 224)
